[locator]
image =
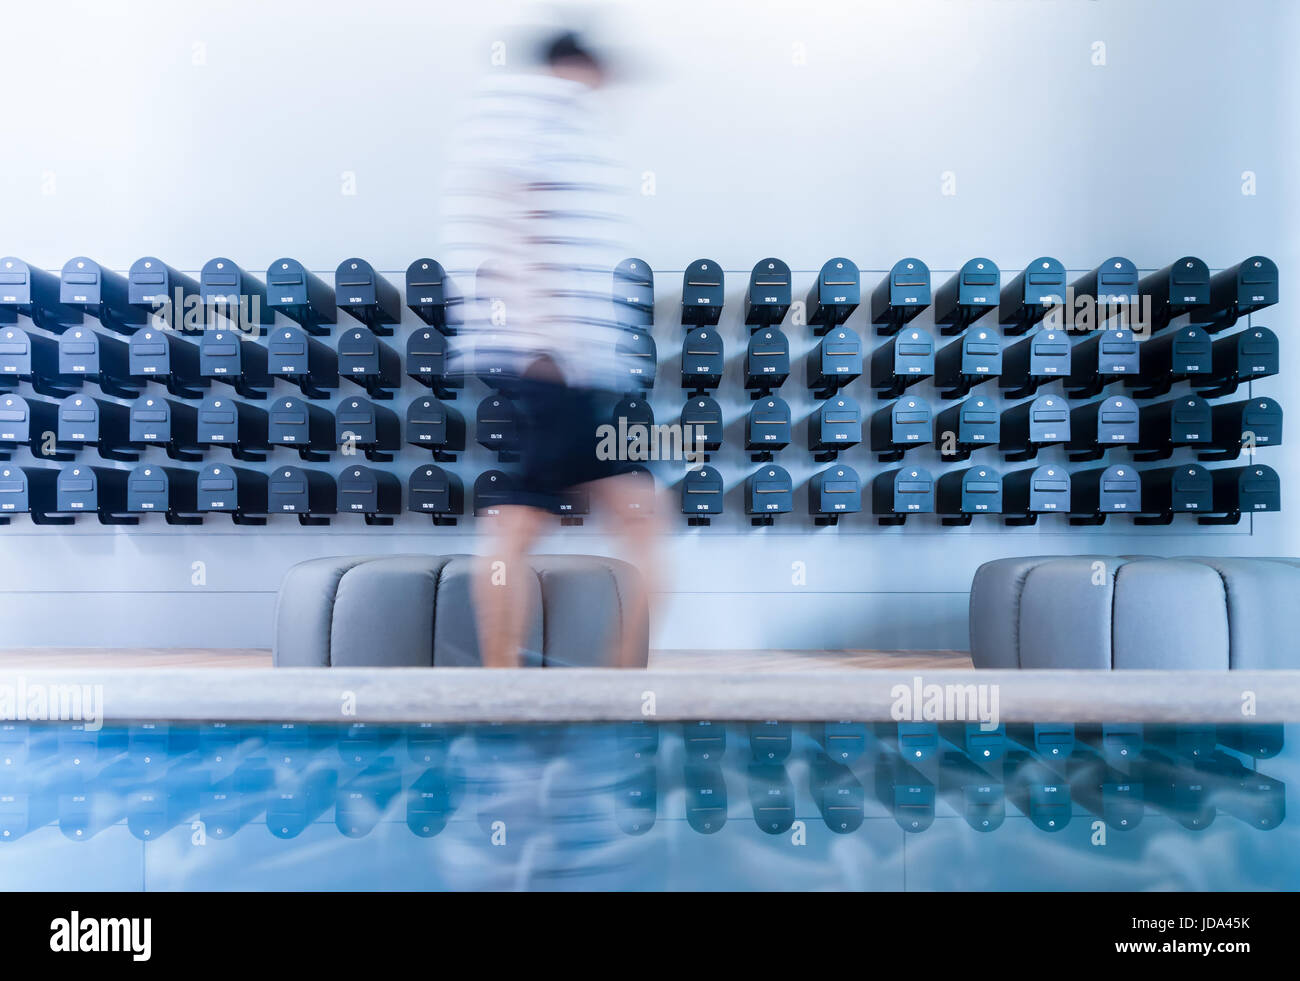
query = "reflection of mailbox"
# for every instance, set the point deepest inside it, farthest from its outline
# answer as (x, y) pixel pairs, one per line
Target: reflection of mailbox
(226, 289)
(1179, 287)
(85, 354)
(293, 354)
(1166, 491)
(298, 425)
(1181, 421)
(967, 426)
(970, 293)
(702, 423)
(167, 423)
(1098, 360)
(901, 295)
(1171, 356)
(1256, 422)
(366, 295)
(310, 494)
(374, 428)
(156, 287)
(93, 490)
(1041, 357)
(239, 362)
(834, 362)
(34, 293)
(1097, 426)
(834, 296)
(962, 494)
(236, 491)
(426, 362)
(701, 495)
(1244, 490)
(28, 356)
(905, 793)
(437, 493)
(836, 490)
(491, 492)
(770, 742)
(87, 286)
(1241, 357)
(1031, 294)
(895, 494)
(84, 421)
(634, 294)
(375, 494)
(1095, 494)
(24, 421)
(971, 791)
(768, 298)
(1038, 490)
(426, 293)
(300, 295)
(1113, 286)
(842, 742)
(368, 361)
(839, 797)
(768, 427)
(166, 357)
(1037, 792)
(702, 293)
(639, 359)
(702, 360)
(1029, 426)
(496, 426)
(899, 427)
(767, 361)
(768, 492)
(436, 427)
(835, 426)
(169, 491)
(238, 426)
(771, 798)
(1248, 286)
(706, 797)
(902, 361)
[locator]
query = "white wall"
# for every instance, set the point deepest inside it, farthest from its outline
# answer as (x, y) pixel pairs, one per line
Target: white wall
(189, 131)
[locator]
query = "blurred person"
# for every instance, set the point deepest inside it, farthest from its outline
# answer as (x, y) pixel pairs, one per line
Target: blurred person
(537, 210)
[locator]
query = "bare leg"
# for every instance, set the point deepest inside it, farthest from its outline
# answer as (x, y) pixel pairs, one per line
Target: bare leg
(639, 529)
(500, 600)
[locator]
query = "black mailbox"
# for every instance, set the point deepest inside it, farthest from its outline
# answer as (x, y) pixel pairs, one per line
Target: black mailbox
(368, 361)
(834, 296)
(293, 354)
(228, 356)
(834, 491)
(1243, 490)
(169, 491)
(436, 427)
(300, 295)
(427, 293)
(634, 294)
(962, 494)
(901, 295)
(639, 358)
(1096, 494)
(767, 428)
(1250, 423)
(1241, 357)
(1112, 286)
(572, 505)
(227, 290)
(1248, 286)
(30, 357)
(1098, 360)
(1037, 490)
(1029, 426)
(375, 494)
(167, 358)
(84, 421)
(702, 293)
(768, 298)
(902, 361)
(156, 288)
(427, 362)
(496, 427)
(967, 426)
(702, 495)
(31, 490)
(1097, 426)
(236, 491)
(312, 495)
(238, 426)
(702, 360)
(1028, 297)
(767, 362)
(839, 796)
(491, 492)
(899, 427)
(835, 426)
(630, 412)
(28, 421)
(34, 293)
(167, 423)
(374, 428)
(101, 491)
(1178, 288)
(85, 354)
(1182, 421)
(834, 362)
(972, 359)
(298, 425)
(1171, 356)
(87, 286)
(969, 294)
(1166, 491)
(366, 295)
(768, 492)
(437, 493)
(1041, 357)
(702, 423)
(896, 494)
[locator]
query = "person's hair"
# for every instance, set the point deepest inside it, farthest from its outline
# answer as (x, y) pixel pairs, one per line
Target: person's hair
(569, 47)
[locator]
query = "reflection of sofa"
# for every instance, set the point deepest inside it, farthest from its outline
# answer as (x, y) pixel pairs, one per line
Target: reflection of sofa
(415, 611)
(1097, 611)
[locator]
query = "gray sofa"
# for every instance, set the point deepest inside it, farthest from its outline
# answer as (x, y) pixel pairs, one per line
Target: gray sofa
(1098, 611)
(415, 611)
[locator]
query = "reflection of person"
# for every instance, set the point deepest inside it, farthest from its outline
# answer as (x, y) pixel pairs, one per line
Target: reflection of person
(537, 206)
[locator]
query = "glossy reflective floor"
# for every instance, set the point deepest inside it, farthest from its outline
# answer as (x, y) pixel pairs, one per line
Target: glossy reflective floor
(647, 806)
